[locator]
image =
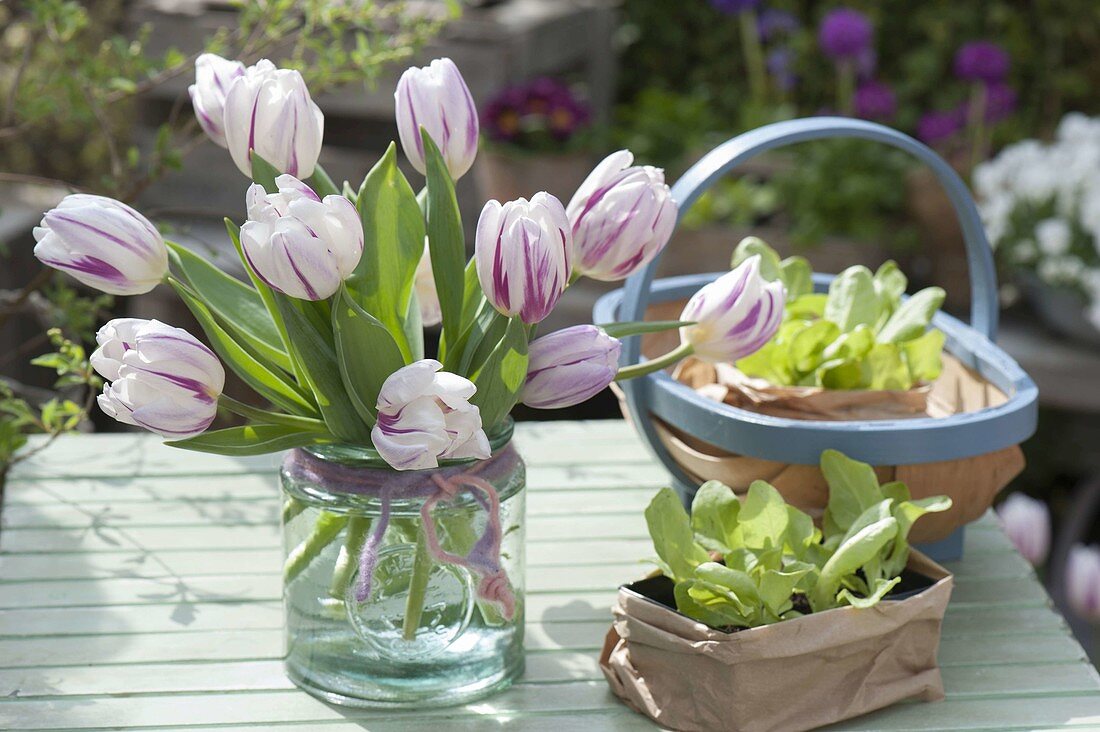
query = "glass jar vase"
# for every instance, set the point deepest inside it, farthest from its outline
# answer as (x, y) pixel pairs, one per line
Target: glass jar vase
(403, 588)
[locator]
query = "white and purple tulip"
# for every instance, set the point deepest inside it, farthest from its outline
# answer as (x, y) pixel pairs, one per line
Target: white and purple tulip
(524, 255)
(735, 315)
(569, 366)
(269, 110)
(424, 415)
(622, 217)
(213, 76)
(1026, 521)
(159, 377)
(431, 312)
(103, 243)
(436, 98)
(1082, 581)
(298, 243)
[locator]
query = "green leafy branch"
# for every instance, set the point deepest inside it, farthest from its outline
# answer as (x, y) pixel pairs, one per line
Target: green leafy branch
(56, 416)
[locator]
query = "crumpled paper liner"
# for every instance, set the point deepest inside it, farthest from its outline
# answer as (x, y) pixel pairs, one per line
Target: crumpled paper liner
(971, 483)
(794, 675)
(724, 383)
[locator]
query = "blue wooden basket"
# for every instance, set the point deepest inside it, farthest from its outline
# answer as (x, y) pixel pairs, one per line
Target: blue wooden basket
(885, 442)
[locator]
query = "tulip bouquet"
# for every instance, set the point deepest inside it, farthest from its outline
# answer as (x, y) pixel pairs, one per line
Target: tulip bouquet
(341, 282)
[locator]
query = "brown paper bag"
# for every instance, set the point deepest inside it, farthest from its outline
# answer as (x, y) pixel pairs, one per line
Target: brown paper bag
(794, 675)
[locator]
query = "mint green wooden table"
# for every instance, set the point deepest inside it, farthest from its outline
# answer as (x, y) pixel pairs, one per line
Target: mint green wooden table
(139, 588)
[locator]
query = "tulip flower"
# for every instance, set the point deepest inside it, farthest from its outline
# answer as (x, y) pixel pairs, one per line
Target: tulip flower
(431, 313)
(159, 377)
(213, 76)
(524, 254)
(298, 243)
(1026, 521)
(734, 316)
(269, 110)
(569, 366)
(424, 415)
(436, 98)
(103, 243)
(622, 216)
(1083, 581)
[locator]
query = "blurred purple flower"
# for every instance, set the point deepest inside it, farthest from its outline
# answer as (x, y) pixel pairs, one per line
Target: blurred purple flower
(544, 93)
(542, 104)
(845, 34)
(876, 101)
(779, 63)
(1083, 581)
(982, 61)
(1000, 102)
(734, 7)
(501, 117)
(773, 23)
(935, 127)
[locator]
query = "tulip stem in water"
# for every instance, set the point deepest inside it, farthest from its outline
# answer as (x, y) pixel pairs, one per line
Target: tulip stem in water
(348, 561)
(327, 528)
(418, 585)
(648, 367)
(291, 508)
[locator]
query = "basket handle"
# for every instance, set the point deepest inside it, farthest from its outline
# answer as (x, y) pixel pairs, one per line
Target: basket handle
(730, 154)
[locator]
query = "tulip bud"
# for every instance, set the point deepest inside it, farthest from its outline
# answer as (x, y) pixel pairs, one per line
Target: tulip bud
(524, 252)
(431, 312)
(269, 110)
(103, 243)
(1083, 581)
(569, 366)
(160, 378)
(436, 98)
(213, 76)
(299, 244)
(622, 216)
(735, 315)
(424, 415)
(1026, 521)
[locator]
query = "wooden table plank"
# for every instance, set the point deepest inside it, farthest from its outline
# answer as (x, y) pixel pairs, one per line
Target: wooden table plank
(120, 604)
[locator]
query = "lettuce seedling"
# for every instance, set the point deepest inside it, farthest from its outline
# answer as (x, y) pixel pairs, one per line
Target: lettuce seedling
(861, 335)
(748, 563)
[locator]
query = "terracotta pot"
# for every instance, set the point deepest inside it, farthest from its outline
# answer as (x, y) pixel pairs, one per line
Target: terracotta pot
(506, 175)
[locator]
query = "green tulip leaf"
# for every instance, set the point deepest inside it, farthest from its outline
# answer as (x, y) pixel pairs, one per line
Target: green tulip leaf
(393, 231)
(316, 353)
(256, 439)
(366, 353)
(502, 375)
(237, 306)
(445, 238)
(269, 383)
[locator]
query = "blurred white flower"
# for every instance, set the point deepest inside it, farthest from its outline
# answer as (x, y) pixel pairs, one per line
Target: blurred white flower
(1026, 521)
(1053, 236)
(1083, 581)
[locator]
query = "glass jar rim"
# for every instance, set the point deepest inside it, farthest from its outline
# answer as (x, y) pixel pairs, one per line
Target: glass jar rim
(351, 454)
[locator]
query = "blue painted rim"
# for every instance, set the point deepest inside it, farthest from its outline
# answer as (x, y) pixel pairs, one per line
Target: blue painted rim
(887, 442)
(879, 442)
